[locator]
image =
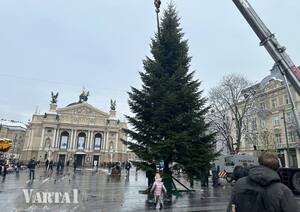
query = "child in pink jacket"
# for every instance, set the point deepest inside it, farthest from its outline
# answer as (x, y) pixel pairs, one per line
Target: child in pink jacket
(158, 187)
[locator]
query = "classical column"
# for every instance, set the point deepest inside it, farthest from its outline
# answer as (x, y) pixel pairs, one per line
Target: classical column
(57, 137)
(298, 156)
(106, 141)
(286, 159)
(28, 140)
(31, 138)
(53, 139)
(70, 142)
(87, 141)
(74, 140)
(42, 139)
(91, 140)
(117, 140)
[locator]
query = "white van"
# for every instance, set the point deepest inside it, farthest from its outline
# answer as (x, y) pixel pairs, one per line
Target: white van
(228, 162)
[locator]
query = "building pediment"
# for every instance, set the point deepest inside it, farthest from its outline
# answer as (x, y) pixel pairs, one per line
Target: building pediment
(83, 109)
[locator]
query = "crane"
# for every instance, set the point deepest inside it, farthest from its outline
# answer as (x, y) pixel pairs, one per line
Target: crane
(290, 72)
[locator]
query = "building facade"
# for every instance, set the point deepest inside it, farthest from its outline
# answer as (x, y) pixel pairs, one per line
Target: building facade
(15, 131)
(271, 125)
(77, 133)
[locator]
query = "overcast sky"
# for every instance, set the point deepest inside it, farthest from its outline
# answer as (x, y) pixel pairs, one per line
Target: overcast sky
(65, 45)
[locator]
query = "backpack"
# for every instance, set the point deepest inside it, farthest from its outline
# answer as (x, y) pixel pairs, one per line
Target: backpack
(253, 199)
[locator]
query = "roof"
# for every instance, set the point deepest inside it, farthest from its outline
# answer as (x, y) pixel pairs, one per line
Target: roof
(74, 103)
(12, 124)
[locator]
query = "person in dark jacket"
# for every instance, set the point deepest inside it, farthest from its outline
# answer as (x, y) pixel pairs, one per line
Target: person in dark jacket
(239, 172)
(31, 167)
(262, 185)
(150, 174)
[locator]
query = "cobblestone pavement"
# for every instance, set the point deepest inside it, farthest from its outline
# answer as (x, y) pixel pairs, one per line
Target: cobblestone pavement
(101, 192)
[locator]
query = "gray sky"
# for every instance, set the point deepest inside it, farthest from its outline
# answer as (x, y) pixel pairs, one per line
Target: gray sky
(63, 45)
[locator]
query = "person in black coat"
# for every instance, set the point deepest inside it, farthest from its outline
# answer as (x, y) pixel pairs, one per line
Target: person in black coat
(262, 190)
(31, 167)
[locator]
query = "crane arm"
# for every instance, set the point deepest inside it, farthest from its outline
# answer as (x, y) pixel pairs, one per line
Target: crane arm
(286, 66)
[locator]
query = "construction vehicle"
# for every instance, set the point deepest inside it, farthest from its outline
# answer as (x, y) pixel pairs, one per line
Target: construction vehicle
(5, 144)
(290, 72)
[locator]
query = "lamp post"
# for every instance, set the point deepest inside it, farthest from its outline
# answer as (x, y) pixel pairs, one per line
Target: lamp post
(286, 139)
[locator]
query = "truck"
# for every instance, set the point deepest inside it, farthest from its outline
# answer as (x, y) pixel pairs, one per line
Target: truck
(226, 163)
(290, 72)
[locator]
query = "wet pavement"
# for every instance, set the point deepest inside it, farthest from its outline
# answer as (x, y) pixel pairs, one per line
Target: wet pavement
(100, 192)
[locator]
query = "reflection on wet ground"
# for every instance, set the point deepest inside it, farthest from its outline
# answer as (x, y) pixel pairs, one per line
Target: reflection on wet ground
(101, 192)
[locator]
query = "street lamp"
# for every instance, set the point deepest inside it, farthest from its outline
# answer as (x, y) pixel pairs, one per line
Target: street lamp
(286, 139)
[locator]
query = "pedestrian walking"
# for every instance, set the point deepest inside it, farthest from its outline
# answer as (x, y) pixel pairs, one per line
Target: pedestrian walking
(18, 166)
(46, 164)
(158, 188)
(31, 167)
(50, 168)
(204, 174)
(262, 190)
(4, 171)
(215, 175)
(127, 167)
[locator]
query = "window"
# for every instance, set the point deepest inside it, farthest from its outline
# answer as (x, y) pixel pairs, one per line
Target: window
(274, 103)
(287, 99)
(81, 141)
(97, 141)
(263, 123)
(291, 137)
(64, 138)
(277, 136)
(276, 121)
(289, 117)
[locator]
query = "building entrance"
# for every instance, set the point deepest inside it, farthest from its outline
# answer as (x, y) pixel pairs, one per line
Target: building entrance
(79, 160)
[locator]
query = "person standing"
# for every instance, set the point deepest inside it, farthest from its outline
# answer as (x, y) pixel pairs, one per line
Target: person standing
(31, 167)
(4, 171)
(127, 167)
(150, 174)
(46, 165)
(262, 190)
(62, 166)
(50, 169)
(74, 165)
(215, 175)
(158, 188)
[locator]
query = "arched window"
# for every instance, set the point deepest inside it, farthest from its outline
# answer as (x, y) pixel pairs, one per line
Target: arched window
(64, 139)
(81, 141)
(97, 141)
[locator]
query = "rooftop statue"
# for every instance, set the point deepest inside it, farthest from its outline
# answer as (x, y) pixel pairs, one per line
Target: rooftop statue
(84, 96)
(112, 105)
(54, 97)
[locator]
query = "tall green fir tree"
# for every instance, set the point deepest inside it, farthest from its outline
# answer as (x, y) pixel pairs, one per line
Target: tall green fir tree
(169, 111)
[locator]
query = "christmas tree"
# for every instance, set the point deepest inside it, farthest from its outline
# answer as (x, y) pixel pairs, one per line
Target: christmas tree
(169, 110)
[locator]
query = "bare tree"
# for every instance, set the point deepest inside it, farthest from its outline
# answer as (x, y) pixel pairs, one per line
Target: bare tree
(230, 103)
